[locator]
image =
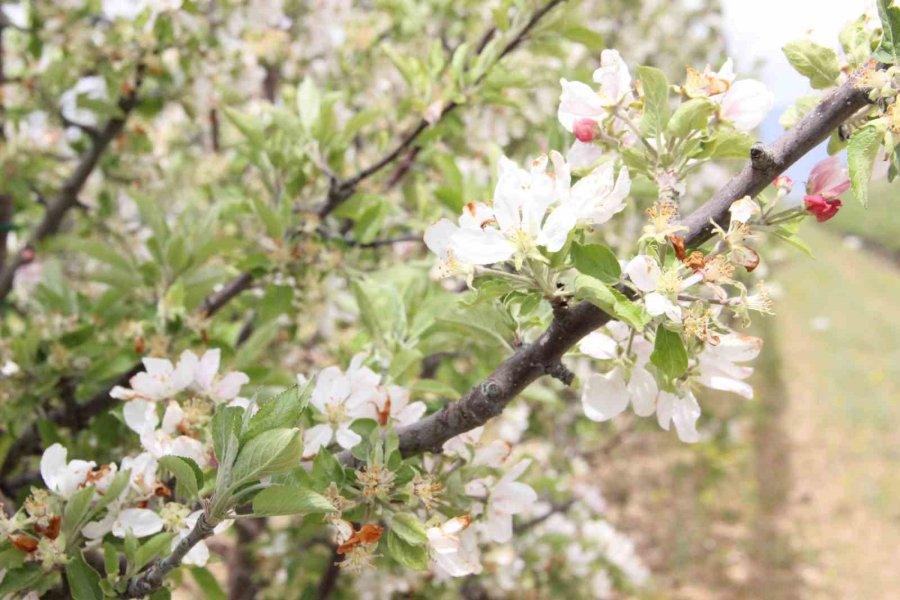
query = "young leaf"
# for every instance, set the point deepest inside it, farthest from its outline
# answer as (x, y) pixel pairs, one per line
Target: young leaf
(669, 353)
(76, 509)
(188, 476)
(656, 100)
(818, 63)
(610, 300)
(861, 153)
(268, 453)
(411, 557)
(208, 584)
(288, 500)
(889, 49)
(597, 261)
(20, 578)
(281, 411)
(690, 116)
(156, 546)
(84, 582)
(409, 528)
(225, 421)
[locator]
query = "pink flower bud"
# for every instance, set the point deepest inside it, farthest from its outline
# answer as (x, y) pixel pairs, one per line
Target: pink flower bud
(783, 182)
(828, 179)
(585, 130)
(822, 207)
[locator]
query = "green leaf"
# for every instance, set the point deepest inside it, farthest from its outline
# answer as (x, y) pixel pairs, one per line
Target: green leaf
(862, 150)
(268, 453)
(408, 555)
(728, 143)
(188, 476)
(225, 422)
(889, 49)
(669, 354)
(208, 584)
(409, 528)
(818, 63)
(281, 411)
(596, 260)
(309, 103)
(690, 116)
(273, 222)
(21, 578)
(251, 128)
(856, 40)
(611, 301)
(288, 500)
(11, 558)
(84, 582)
(656, 100)
(76, 510)
(326, 469)
(158, 545)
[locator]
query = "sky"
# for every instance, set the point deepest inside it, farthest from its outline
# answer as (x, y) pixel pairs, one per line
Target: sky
(755, 31)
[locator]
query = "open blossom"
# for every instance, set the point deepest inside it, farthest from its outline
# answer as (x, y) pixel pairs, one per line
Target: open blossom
(505, 498)
(827, 181)
(161, 379)
(199, 554)
(339, 397)
(391, 404)
(92, 87)
(581, 108)
(208, 382)
(530, 209)
(744, 103)
(62, 477)
(716, 364)
(660, 288)
(453, 548)
(683, 411)
(142, 418)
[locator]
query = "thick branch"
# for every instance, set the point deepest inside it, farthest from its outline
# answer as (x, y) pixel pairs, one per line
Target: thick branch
(487, 399)
(67, 197)
(152, 579)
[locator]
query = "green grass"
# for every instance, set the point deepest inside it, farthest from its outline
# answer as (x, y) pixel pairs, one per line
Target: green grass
(879, 223)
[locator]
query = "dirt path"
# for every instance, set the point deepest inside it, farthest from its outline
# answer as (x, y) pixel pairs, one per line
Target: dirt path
(840, 355)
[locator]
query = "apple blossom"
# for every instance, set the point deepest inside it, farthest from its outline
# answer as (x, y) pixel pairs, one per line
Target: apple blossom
(683, 411)
(743, 103)
(62, 477)
(827, 181)
(339, 396)
(505, 498)
(391, 404)
(716, 364)
(218, 389)
(452, 548)
(161, 380)
(141, 417)
(659, 287)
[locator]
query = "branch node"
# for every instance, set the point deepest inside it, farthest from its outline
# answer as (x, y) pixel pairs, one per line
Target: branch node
(761, 158)
(491, 389)
(561, 372)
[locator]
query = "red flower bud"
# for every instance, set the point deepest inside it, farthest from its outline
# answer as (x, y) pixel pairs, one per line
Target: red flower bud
(821, 207)
(585, 130)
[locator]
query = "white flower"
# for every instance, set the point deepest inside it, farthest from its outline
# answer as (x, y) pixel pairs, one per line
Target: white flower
(746, 104)
(161, 380)
(460, 445)
(658, 288)
(123, 9)
(339, 396)
(717, 368)
(453, 549)
(613, 77)
(219, 389)
(61, 477)
(582, 156)
(681, 410)
(140, 522)
(505, 498)
(593, 200)
(9, 369)
(578, 102)
(605, 396)
(92, 88)
(141, 417)
(391, 405)
(142, 473)
(744, 210)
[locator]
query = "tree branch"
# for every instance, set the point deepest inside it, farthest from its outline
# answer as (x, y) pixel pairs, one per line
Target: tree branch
(152, 579)
(488, 399)
(340, 190)
(67, 198)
